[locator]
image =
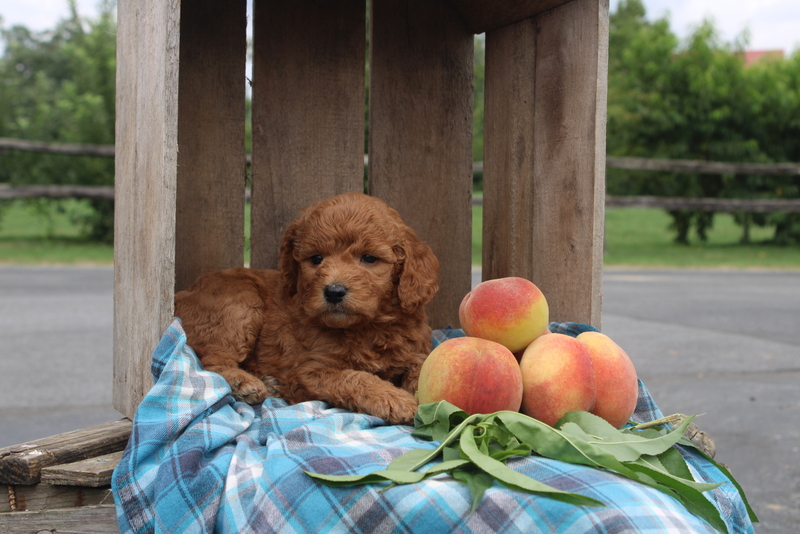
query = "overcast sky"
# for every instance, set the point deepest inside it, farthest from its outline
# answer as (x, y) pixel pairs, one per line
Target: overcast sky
(773, 24)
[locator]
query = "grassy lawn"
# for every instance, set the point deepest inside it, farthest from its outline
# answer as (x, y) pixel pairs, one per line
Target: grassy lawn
(29, 237)
(639, 237)
(634, 238)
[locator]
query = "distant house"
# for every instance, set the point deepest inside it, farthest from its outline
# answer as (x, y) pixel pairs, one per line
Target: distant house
(754, 56)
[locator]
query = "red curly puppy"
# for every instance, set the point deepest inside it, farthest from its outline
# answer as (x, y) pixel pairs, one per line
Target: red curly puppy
(342, 321)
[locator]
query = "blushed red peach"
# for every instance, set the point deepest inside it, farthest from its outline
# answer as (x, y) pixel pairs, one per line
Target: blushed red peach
(477, 375)
(615, 379)
(557, 377)
(511, 311)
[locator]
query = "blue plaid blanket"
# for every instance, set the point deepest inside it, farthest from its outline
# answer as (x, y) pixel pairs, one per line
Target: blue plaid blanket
(198, 461)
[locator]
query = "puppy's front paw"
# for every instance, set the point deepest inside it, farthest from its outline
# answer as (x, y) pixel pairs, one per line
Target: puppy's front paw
(273, 386)
(244, 386)
(399, 409)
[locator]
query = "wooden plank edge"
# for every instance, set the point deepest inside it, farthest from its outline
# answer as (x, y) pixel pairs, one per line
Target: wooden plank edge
(47, 497)
(21, 464)
(82, 520)
(486, 15)
(92, 472)
(722, 205)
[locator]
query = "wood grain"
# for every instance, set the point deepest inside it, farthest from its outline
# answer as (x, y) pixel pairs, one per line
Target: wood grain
(82, 520)
(571, 77)
(719, 205)
(211, 157)
(703, 167)
(72, 149)
(50, 497)
(99, 192)
(544, 175)
(508, 171)
(92, 472)
(420, 146)
(146, 148)
(308, 112)
(487, 15)
(22, 464)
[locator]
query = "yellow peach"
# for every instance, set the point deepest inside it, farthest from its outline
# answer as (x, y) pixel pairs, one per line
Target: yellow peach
(557, 377)
(477, 375)
(511, 311)
(615, 379)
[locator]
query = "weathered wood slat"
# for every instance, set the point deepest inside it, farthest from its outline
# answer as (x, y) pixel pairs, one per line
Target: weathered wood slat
(209, 224)
(508, 169)
(22, 464)
(83, 520)
(722, 205)
(308, 112)
(71, 149)
(420, 144)
(702, 167)
(569, 157)
(544, 175)
(92, 192)
(92, 472)
(146, 167)
(49, 497)
(487, 15)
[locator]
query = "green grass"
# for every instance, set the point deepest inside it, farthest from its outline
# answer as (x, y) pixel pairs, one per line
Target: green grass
(634, 238)
(27, 236)
(639, 237)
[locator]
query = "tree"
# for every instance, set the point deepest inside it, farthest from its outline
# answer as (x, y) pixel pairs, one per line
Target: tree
(58, 85)
(696, 100)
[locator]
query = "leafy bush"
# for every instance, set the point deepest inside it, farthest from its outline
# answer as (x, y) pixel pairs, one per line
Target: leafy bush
(696, 100)
(58, 86)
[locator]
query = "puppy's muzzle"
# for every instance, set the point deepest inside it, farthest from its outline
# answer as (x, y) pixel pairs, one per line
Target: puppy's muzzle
(335, 293)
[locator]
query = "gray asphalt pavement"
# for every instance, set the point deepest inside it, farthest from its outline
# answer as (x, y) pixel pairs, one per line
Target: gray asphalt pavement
(725, 344)
(55, 350)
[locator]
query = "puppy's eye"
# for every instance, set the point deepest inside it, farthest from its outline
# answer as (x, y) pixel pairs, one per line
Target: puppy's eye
(367, 258)
(316, 259)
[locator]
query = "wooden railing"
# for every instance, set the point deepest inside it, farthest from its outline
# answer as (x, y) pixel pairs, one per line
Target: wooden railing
(640, 164)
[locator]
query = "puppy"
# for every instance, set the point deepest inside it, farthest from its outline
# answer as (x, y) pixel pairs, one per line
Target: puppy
(342, 320)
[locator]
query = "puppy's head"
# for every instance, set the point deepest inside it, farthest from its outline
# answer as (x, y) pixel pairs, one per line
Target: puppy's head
(350, 259)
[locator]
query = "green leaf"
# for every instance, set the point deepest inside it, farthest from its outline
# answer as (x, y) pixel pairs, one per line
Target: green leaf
(542, 438)
(750, 512)
(434, 421)
(476, 481)
(412, 460)
(673, 462)
(396, 476)
(625, 446)
(513, 479)
(689, 493)
(560, 445)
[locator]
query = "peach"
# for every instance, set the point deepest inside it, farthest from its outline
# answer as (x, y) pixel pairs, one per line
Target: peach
(511, 311)
(557, 377)
(519, 353)
(477, 375)
(615, 379)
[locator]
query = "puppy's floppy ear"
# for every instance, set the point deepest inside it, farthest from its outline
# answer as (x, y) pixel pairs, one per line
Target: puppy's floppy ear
(287, 265)
(419, 277)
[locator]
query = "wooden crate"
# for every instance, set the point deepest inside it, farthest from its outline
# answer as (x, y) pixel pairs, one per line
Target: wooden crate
(62, 483)
(180, 166)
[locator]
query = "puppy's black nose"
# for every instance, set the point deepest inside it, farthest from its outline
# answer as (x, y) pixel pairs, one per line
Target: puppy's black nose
(335, 293)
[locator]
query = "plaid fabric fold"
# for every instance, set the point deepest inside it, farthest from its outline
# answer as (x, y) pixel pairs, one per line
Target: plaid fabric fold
(198, 461)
